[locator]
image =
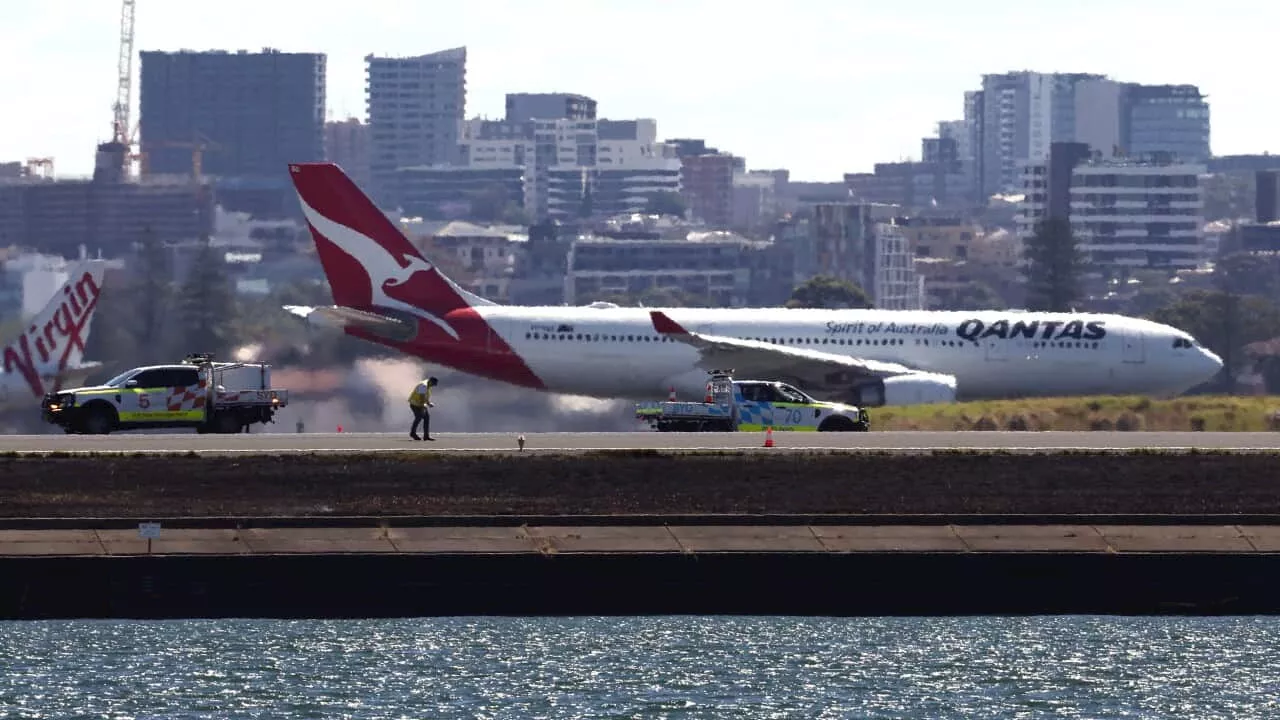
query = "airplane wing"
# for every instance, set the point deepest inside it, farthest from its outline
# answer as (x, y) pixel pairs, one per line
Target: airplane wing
(816, 371)
(72, 376)
(342, 317)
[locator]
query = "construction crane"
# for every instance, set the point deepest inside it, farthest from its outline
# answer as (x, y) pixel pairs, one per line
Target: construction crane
(124, 74)
(115, 156)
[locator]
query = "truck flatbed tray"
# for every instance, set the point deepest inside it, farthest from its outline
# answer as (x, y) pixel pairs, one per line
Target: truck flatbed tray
(252, 397)
(683, 410)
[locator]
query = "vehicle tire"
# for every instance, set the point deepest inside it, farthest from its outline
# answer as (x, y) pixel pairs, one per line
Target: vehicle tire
(98, 419)
(226, 423)
(838, 423)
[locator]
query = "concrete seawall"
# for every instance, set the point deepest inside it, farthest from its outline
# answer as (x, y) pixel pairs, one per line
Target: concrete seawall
(372, 571)
(639, 533)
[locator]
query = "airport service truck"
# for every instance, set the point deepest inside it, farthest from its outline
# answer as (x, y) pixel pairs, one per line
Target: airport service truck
(211, 397)
(752, 405)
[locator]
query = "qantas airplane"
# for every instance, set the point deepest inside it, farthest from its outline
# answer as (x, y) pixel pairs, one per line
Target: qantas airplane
(49, 355)
(387, 293)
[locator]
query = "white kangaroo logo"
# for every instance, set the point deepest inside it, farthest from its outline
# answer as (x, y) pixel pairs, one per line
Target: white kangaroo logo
(378, 263)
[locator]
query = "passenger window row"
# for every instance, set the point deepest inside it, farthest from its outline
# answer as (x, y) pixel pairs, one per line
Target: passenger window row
(596, 337)
(878, 342)
(590, 337)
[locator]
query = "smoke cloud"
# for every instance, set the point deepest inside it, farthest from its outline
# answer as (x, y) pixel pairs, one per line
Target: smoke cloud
(374, 398)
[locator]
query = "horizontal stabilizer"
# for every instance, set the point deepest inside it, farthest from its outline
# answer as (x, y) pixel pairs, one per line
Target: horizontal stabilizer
(73, 376)
(344, 318)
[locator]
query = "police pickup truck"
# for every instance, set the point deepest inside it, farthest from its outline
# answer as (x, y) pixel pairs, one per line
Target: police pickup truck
(196, 393)
(752, 405)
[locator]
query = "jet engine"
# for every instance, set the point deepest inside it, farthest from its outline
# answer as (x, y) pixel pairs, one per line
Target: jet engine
(914, 389)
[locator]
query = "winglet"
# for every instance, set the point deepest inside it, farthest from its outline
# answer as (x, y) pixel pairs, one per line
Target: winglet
(665, 325)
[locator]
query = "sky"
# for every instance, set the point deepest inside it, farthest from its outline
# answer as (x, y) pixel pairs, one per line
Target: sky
(822, 88)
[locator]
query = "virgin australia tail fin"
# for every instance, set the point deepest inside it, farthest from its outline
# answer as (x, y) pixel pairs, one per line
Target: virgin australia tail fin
(52, 347)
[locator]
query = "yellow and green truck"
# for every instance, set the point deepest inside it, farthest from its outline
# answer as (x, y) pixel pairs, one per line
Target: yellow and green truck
(198, 393)
(752, 405)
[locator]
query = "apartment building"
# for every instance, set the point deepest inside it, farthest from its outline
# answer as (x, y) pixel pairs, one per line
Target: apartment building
(1124, 212)
(487, 254)
(253, 112)
(61, 217)
(706, 265)
(1012, 121)
(523, 107)
(415, 107)
(572, 168)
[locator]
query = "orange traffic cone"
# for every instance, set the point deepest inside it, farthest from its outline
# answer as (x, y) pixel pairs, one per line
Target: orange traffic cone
(339, 428)
(671, 396)
(768, 437)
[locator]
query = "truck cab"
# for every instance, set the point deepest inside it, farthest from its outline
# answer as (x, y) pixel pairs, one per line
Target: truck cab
(190, 394)
(753, 405)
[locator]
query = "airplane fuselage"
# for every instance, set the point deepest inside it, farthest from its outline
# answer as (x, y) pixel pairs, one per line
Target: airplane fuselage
(614, 352)
(384, 290)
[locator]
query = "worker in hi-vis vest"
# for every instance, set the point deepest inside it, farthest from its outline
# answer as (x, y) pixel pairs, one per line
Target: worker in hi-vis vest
(419, 401)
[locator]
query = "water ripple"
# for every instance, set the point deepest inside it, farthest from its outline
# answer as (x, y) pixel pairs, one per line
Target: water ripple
(671, 667)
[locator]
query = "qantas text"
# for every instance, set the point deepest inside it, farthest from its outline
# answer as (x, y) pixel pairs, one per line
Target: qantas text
(1033, 329)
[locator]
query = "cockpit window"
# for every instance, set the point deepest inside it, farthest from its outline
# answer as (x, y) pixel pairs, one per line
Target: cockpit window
(1182, 342)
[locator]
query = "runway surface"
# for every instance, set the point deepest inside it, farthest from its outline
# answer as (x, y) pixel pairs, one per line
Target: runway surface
(906, 441)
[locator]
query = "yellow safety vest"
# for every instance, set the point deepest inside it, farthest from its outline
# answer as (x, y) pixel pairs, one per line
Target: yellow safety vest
(421, 394)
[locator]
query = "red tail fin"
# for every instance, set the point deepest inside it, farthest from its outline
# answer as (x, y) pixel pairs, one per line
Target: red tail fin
(54, 342)
(366, 258)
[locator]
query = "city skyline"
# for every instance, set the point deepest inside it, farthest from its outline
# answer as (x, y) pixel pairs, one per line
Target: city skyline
(775, 106)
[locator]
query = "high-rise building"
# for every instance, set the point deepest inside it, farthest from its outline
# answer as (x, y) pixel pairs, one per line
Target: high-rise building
(1016, 116)
(1165, 119)
(416, 106)
(1021, 114)
(974, 125)
(1012, 104)
(254, 112)
(1065, 104)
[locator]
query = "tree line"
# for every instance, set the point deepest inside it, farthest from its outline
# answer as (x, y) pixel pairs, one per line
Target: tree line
(1240, 308)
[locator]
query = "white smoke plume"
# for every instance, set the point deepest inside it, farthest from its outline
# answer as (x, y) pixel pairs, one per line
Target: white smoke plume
(374, 398)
